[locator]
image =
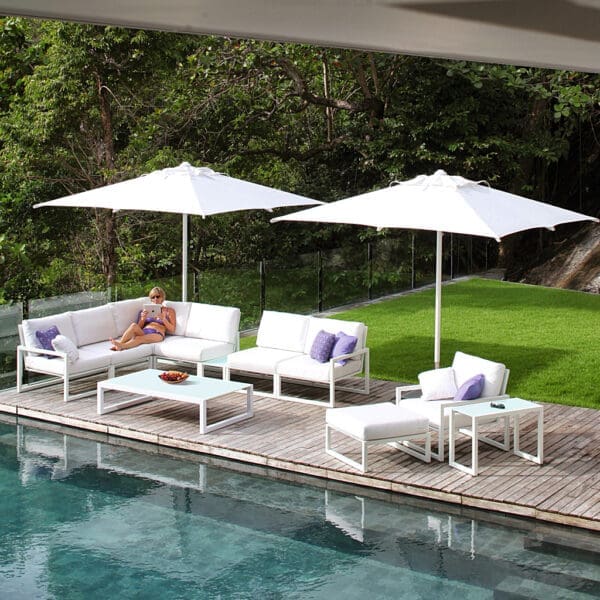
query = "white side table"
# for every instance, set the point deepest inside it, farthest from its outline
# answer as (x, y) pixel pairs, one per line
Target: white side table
(483, 412)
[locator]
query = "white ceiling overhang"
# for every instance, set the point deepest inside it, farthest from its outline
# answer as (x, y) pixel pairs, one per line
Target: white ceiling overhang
(548, 33)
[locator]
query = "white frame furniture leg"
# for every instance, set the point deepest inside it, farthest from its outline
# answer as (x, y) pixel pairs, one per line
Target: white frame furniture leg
(382, 423)
(483, 412)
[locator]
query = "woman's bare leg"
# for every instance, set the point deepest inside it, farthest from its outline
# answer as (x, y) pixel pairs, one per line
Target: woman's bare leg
(130, 333)
(145, 338)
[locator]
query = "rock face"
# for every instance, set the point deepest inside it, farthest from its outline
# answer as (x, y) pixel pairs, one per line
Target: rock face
(576, 266)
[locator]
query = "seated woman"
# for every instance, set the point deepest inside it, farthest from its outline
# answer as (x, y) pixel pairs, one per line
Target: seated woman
(148, 330)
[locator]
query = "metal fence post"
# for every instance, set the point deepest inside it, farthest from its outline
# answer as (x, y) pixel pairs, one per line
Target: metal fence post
(370, 270)
(262, 302)
(320, 281)
(412, 261)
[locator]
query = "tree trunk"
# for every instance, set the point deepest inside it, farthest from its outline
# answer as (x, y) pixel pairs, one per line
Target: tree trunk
(105, 219)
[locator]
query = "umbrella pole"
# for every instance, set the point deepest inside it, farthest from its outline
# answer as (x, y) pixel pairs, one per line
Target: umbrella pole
(438, 300)
(184, 257)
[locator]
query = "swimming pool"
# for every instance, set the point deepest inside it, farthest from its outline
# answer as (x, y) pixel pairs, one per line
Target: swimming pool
(83, 518)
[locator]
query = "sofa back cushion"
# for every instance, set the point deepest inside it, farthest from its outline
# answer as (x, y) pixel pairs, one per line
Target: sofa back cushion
(62, 322)
(182, 313)
(334, 326)
(466, 366)
(125, 312)
(93, 325)
(283, 331)
(212, 322)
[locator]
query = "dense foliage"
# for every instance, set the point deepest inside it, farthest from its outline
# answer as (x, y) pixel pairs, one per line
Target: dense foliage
(82, 106)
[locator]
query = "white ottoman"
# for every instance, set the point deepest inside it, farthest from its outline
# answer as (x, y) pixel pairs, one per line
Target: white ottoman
(383, 423)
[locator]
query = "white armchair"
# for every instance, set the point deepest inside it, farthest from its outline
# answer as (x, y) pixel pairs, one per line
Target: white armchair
(437, 409)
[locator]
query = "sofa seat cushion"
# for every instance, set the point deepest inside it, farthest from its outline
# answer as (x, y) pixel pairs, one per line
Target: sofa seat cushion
(466, 366)
(89, 360)
(376, 421)
(283, 331)
(305, 367)
(94, 325)
(191, 349)
(122, 357)
(259, 360)
(431, 410)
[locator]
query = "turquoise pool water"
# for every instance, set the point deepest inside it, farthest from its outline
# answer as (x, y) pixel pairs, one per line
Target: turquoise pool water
(82, 518)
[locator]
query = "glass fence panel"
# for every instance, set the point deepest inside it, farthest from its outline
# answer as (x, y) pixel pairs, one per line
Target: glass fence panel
(292, 285)
(10, 317)
(345, 276)
(391, 265)
(238, 286)
(424, 252)
(58, 304)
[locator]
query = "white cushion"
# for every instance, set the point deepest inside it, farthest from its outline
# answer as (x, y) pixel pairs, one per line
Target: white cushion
(376, 421)
(258, 360)
(316, 324)
(304, 367)
(282, 331)
(466, 366)
(93, 325)
(125, 312)
(61, 343)
(438, 384)
(62, 321)
(191, 349)
(182, 313)
(210, 322)
(431, 410)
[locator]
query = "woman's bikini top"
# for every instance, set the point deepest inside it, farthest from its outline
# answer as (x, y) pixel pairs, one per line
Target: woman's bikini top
(154, 320)
(151, 319)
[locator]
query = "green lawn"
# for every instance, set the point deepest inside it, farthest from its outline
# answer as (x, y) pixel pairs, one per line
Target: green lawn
(548, 338)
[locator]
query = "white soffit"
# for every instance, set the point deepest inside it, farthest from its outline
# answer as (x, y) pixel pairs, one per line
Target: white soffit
(547, 33)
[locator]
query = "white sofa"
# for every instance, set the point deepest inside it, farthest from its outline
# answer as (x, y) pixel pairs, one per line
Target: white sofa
(283, 346)
(464, 367)
(203, 332)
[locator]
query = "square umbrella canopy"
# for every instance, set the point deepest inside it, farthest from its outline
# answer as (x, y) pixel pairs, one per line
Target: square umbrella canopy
(441, 203)
(187, 190)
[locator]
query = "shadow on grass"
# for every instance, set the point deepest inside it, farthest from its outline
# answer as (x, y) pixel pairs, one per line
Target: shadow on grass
(404, 359)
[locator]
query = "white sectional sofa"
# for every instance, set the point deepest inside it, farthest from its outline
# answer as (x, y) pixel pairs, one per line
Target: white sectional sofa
(203, 332)
(283, 346)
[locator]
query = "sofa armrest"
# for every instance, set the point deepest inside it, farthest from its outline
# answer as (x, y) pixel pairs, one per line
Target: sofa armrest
(349, 356)
(35, 350)
(405, 389)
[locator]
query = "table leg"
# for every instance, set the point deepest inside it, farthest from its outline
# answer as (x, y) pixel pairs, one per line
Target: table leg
(452, 446)
(205, 428)
(539, 458)
(475, 447)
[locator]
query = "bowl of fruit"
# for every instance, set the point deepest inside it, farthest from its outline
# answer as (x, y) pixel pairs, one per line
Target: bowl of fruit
(173, 376)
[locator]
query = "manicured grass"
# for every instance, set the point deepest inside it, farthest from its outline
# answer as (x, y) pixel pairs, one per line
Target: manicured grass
(548, 338)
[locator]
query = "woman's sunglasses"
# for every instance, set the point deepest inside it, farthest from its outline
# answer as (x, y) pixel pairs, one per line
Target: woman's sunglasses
(155, 297)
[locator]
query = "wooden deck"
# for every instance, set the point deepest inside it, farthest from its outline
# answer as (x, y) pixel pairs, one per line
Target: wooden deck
(290, 436)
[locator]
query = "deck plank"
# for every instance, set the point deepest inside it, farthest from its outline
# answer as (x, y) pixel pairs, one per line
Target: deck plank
(291, 436)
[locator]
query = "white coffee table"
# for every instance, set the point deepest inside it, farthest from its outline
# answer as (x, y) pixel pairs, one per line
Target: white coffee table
(481, 412)
(195, 390)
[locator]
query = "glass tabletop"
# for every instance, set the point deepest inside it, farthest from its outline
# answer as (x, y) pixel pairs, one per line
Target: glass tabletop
(148, 381)
(480, 409)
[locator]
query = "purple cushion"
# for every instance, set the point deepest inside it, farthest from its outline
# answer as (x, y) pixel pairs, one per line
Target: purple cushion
(344, 344)
(471, 388)
(321, 347)
(45, 337)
